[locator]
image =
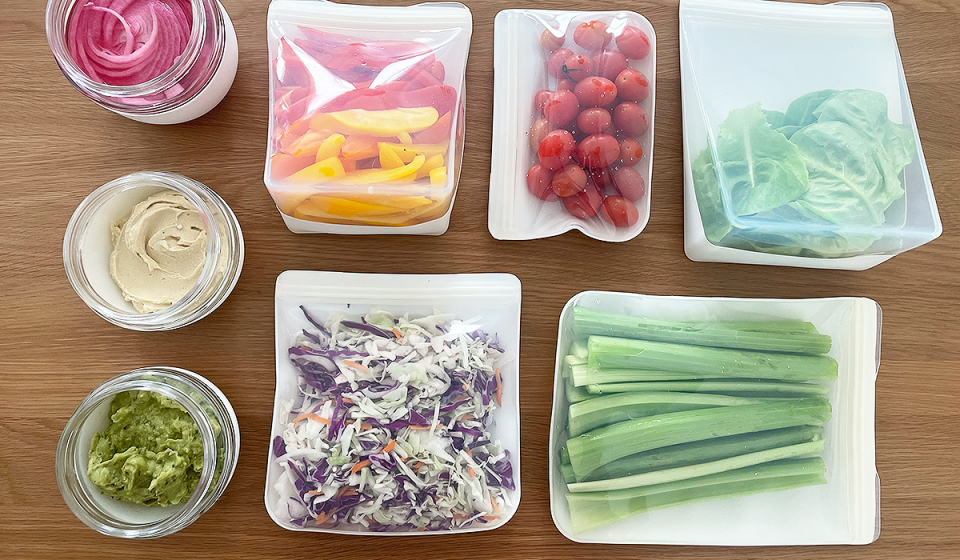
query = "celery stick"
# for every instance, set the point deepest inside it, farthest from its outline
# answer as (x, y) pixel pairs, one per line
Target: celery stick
(569, 362)
(610, 409)
(706, 450)
(780, 336)
(578, 349)
(586, 514)
(566, 471)
(724, 386)
(585, 374)
(575, 394)
(608, 352)
(701, 469)
(601, 446)
(564, 456)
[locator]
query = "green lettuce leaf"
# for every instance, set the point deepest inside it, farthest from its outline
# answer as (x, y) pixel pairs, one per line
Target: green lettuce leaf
(800, 112)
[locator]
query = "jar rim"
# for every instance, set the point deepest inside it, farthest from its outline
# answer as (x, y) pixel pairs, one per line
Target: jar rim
(68, 474)
(190, 307)
(56, 20)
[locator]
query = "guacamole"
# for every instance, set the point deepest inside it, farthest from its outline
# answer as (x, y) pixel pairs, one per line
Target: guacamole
(150, 454)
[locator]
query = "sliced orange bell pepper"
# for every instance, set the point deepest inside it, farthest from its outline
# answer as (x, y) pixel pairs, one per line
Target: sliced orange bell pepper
(307, 145)
(437, 133)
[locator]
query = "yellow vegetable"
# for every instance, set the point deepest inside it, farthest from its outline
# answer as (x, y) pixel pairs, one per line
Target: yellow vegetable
(432, 163)
(370, 176)
(330, 147)
(319, 172)
(374, 209)
(404, 138)
(389, 158)
(307, 144)
(407, 153)
(390, 122)
(438, 176)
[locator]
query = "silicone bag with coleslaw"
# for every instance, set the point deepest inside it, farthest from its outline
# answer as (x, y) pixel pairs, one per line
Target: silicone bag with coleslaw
(366, 115)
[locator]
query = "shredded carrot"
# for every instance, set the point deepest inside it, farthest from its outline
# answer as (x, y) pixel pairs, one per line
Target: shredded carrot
(470, 469)
(499, 386)
(315, 492)
(359, 466)
(424, 528)
(496, 508)
(347, 400)
(365, 426)
(389, 447)
(397, 333)
(465, 388)
(419, 427)
(491, 518)
(348, 491)
(459, 516)
(311, 416)
(418, 465)
(353, 364)
(467, 417)
(323, 517)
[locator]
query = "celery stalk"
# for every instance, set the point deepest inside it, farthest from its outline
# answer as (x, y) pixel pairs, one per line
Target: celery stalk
(724, 386)
(566, 471)
(701, 469)
(608, 352)
(578, 349)
(591, 510)
(585, 374)
(779, 336)
(610, 409)
(601, 446)
(575, 394)
(704, 451)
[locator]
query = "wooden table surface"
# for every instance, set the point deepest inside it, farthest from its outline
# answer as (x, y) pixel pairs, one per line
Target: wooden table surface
(56, 146)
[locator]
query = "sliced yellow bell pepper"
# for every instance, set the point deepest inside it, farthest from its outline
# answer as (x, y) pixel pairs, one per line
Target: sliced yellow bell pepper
(319, 172)
(372, 209)
(432, 163)
(390, 122)
(307, 145)
(438, 176)
(330, 147)
(404, 138)
(389, 158)
(370, 176)
(407, 153)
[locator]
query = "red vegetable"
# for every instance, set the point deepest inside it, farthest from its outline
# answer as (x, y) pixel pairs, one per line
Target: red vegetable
(594, 121)
(566, 85)
(633, 42)
(584, 204)
(569, 181)
(609, 64)
(630, 152)
(629, 183)
(598, 150)
(619, 211)
(556, 149)
(539, 131)
(561, 108)
(630, 119)
(437, 133)
(555, 62)
(592, 35)
(595, 92)
(550, 41)
(577, 67)
(632, 85)
(538, 181)
(541, 98)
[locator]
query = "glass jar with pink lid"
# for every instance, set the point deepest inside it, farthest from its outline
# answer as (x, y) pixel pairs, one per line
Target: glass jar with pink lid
(154, 61)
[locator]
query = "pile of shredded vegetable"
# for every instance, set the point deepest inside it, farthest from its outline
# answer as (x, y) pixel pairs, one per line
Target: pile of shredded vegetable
(389, 429)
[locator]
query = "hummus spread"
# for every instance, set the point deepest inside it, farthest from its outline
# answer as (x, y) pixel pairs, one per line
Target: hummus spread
(159, 252)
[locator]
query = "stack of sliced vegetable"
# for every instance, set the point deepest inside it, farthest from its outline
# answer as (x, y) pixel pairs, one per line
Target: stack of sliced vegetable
(667, 413)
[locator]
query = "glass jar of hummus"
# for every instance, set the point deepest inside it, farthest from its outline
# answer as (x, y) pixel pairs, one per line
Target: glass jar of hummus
(153, 251)
(153, 61)
(216, 429)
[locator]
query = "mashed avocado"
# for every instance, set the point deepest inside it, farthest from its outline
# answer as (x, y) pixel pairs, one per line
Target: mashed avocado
(150, 454)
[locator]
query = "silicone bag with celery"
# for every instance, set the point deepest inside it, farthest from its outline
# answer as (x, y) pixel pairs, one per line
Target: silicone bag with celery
(364, 130)
(815, 180)
(679, 412)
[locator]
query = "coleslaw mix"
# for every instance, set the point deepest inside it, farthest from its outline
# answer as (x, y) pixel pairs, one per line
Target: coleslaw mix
(389, 428)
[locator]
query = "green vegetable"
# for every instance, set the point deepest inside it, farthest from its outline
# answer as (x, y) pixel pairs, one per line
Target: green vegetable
(575, 394)
(701, 469)
(585, 374)
(852, 155)
(601, 446)
(777, 336)
(704, 451)
(591, 510)
(609, 352)
(601, 411)
(566, 471)
(756, 388)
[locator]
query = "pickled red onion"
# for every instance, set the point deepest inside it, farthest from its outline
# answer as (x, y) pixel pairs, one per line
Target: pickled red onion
(127, 42)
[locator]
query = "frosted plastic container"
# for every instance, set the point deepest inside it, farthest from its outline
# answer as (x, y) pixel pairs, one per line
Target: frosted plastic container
(737, 52)
(495, 298)
(846, 510)
(520, 63)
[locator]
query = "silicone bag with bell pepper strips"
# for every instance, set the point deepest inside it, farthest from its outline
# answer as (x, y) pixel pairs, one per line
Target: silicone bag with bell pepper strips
(366, 115)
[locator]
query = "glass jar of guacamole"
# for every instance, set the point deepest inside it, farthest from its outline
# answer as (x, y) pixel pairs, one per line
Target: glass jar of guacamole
(147, 452)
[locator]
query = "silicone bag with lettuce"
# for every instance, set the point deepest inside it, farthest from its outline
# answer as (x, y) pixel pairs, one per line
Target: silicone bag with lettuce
(811, 181)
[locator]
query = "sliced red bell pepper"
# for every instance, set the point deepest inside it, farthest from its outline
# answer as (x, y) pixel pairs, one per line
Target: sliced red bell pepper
(289, 68)
(285, 165)
(437, 133)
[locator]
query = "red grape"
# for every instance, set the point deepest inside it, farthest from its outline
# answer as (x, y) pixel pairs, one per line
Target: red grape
(592, 35)
(550, 41)
(629, 183)
(632, 85)
(584, 204)
(598, 150)
(556, 149)
(594, 121)
(555, 62)
(610, 63)
(595, 92)
(539, 131)
(619, 211)
(569, 181)
(630, 119)
(561, 108)
(538, 181)
(630, 152)
(633, 43)
(577, 67)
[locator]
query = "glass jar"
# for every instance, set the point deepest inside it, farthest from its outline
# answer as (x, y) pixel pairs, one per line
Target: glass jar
(198, 80)
(87, 247)
(220, 436)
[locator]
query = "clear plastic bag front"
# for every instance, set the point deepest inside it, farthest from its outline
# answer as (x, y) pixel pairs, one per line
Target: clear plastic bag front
(573, 124)
(366, 116)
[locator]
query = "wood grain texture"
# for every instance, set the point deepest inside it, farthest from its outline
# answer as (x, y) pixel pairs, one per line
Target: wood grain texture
(56, 146)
